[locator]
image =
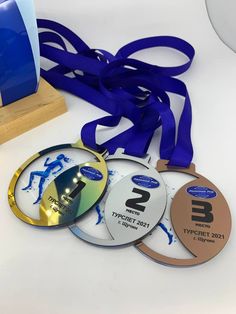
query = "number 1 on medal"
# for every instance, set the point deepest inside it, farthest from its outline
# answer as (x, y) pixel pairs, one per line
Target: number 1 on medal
(80, 186)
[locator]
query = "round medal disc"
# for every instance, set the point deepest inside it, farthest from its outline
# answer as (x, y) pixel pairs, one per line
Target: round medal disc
(58, 185)
(200, 217)
(133, 206)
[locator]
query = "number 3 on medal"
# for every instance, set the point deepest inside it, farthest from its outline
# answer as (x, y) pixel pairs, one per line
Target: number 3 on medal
(134, 202)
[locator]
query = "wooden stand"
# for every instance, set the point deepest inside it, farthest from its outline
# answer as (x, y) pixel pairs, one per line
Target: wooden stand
(27, 113)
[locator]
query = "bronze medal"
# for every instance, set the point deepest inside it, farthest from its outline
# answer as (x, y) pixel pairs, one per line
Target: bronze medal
(200, 217)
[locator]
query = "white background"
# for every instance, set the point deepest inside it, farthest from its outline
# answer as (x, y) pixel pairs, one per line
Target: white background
(52, 272)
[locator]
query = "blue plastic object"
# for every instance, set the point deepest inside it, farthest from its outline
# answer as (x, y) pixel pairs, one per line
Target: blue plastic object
(19, 50)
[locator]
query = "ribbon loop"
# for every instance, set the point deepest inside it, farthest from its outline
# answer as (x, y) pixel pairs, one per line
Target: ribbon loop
(124, 87)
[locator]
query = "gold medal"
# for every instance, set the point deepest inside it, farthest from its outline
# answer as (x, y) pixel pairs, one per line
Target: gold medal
(58, 185)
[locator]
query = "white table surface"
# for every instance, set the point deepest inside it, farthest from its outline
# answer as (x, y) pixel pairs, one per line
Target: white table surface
(52, 272)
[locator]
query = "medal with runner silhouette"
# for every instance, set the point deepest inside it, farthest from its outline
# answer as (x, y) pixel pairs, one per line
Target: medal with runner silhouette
(66, 200)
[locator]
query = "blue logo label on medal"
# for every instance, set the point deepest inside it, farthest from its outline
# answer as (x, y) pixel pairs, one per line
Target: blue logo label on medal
(201, 192)
(91, 173)
(146, 182)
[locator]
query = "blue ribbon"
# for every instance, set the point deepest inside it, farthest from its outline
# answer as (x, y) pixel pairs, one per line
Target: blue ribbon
(124, 87)
(181, 153)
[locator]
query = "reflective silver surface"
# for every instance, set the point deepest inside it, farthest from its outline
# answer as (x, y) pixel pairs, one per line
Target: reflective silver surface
(133, 206)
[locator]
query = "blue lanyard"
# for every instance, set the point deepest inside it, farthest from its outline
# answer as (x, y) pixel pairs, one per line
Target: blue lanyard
(113, 83)
(181, 153)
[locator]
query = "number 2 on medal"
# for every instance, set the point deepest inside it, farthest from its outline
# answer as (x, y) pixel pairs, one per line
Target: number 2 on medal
(135, 202)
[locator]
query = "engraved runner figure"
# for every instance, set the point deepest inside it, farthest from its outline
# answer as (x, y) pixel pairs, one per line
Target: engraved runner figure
(45, 174)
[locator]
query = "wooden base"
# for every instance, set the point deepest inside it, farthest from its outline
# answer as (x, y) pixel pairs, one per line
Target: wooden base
(27, 113)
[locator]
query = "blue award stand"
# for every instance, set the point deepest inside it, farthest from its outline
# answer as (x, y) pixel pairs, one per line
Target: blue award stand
(25, 100)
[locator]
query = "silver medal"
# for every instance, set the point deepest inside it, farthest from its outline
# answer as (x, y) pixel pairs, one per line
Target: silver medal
(133, 205)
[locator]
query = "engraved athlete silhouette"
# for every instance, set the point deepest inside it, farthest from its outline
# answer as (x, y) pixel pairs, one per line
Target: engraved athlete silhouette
(45, 174)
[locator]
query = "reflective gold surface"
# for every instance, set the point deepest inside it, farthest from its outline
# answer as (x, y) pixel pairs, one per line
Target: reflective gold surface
(63, 201)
